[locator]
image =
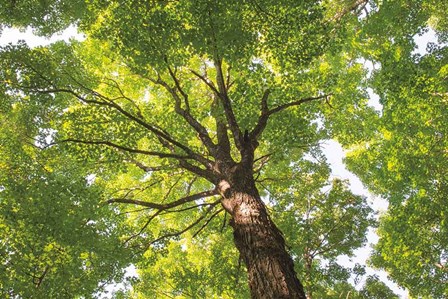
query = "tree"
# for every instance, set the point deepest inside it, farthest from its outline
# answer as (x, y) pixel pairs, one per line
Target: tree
(185, 110)
(321, 220)
(56, 239)
(406, 160)
(409, 160)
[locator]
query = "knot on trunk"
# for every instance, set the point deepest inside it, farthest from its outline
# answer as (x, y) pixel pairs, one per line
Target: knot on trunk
(224, 189)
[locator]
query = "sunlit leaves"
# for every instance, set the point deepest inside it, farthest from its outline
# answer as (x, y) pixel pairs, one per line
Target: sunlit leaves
(412, 245)
(54, 234)
(321, 222)
(46, 17)
(406, 160)
(109, 120)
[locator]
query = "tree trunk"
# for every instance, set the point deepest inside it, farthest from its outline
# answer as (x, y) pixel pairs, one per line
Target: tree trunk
(260, 243)
(308, 274)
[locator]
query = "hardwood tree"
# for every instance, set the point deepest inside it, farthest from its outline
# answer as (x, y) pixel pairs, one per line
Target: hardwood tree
(180, 111)
(405, 162)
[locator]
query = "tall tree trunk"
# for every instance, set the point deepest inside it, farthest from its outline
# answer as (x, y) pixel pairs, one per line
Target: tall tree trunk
(308, 273)
(260, 242)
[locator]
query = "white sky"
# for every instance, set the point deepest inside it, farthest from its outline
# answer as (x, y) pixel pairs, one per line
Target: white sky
(332, 149)
(10, 35)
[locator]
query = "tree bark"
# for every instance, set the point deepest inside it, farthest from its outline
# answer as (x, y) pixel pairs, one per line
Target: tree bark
(308, 270)
(260, 243)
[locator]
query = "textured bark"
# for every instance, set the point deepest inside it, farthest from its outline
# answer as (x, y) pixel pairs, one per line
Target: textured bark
(260, 243)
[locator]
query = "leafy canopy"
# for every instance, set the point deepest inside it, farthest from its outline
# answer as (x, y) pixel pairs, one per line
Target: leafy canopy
(135, 108)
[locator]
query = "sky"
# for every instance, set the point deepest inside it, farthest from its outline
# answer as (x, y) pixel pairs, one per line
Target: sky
(331, 148)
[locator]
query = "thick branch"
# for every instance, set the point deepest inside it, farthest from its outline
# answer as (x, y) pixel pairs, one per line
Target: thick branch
(205, 173)
(263, 119)
(221, 130)
(354, 6)
(266, 113)
(221, 126)
(126, 149)
(297, 103)
(185, 113)
(146, 168)
(206, 81)
(170, 205)
(227, 105)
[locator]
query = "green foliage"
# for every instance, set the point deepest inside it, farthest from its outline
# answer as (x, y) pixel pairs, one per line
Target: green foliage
(56, 238)
(206, 266)
(45, 17)
(133, 105)
(406, 160)
(322, 221)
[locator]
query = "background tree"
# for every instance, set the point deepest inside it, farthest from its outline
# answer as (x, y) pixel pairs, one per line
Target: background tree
(323, 221)
(56, 238)
(406, 160)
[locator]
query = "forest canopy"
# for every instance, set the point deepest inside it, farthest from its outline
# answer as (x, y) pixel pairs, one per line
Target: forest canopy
(184, 139)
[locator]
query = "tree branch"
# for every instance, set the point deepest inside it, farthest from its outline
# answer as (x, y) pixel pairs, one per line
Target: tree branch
(208, 174)
(354, 6)
(124, 148)
(263, 118)
(146, 168)
(207, 222)
(105, 101)
(266, 113)
(185, 113)
(166, 206)
(178, 233)
(297, 103)
(158, 132)
(227, 105)
(206, 81)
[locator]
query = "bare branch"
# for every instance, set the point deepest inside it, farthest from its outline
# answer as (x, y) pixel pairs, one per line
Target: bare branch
(226, 103)
(166, 206)
(124, 148)
(266, 113)
(206, 81)
(207, 222)
(178, 233)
